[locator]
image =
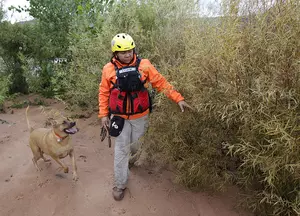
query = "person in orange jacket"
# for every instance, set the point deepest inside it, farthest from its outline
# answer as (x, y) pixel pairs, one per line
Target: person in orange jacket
(125, 103)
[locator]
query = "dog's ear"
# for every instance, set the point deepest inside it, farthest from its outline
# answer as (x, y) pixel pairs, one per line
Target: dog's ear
(52, 122)
(77, 122)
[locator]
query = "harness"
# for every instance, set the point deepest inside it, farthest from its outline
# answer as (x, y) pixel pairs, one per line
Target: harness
(128, 95)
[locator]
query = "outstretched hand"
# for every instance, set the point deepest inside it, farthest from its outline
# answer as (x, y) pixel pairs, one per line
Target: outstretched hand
(183, 104)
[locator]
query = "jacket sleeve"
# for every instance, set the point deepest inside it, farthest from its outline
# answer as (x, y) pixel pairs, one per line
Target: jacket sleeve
(159, 82)
(104, 92)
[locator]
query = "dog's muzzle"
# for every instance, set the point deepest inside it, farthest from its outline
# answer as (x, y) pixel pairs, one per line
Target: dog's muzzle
(71, 129)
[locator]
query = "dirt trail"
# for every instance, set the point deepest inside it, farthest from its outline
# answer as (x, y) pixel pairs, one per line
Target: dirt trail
(24, 191)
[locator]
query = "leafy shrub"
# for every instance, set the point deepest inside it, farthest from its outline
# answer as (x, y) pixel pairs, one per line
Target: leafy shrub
(241, 76)
(4, 83)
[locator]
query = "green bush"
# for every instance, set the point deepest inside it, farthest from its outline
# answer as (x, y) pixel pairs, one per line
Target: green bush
(4, 84)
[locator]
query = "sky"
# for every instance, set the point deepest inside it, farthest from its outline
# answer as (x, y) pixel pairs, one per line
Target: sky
(15, 16)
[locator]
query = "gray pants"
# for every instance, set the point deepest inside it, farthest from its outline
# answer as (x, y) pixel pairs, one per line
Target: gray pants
(127, 144)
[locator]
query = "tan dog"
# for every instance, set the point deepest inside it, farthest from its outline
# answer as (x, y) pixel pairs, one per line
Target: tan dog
(53, 142)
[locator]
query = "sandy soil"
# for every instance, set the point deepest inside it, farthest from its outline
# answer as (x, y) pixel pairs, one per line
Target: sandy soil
(25, 191)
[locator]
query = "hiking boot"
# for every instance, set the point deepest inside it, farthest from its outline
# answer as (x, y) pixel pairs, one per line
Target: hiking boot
(118, 193)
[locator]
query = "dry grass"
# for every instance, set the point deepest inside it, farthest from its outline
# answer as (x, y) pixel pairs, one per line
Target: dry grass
(243, 79)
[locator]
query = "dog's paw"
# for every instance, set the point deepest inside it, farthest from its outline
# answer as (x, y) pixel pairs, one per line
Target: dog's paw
(66, 169)
(75, 177)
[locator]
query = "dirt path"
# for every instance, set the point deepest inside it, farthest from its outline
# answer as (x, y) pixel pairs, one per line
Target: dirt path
(24, 191)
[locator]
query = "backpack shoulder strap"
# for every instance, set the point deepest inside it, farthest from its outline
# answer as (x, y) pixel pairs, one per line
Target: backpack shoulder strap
(138, 61)
(116, 68)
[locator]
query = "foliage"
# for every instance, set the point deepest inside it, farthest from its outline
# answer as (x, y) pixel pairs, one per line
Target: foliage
(3, 90)
(242, 78)
(53, 19)
(14, 42)
(1, 10)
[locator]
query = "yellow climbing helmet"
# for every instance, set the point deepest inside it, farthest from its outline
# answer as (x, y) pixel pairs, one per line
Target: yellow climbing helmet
(122, 42)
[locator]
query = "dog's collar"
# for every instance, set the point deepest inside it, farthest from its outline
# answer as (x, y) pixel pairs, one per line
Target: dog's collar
(60, 138)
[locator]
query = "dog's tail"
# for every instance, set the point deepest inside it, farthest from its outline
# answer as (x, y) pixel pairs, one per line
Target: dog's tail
(29, 127)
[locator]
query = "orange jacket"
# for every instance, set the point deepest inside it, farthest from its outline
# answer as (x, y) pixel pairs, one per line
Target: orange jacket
(147, 71)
